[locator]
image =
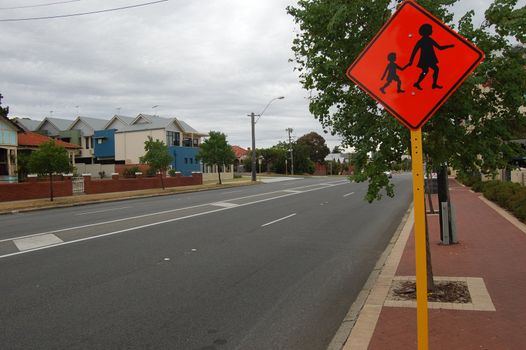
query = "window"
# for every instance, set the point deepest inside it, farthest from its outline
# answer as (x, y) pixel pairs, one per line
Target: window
(87, 140)
(187, 142)
(100, 141)
(191, 160)
(173, 138)
(186, 160)
(196, 142)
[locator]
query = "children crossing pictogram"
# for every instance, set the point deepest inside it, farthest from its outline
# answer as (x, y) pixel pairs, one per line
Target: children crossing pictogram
(394, 67)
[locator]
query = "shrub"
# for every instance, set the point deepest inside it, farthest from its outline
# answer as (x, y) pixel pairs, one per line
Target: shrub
(172, 172)
(517, 204)
(151, 172)
(478, 186)
(500, 192)
(102, 174)
(130, 172)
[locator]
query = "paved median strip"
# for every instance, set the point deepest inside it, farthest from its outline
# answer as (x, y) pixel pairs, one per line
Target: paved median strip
(36, 242)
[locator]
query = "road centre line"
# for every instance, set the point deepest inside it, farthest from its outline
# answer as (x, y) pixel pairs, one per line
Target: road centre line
(278, 220)
(165, 212)
(101, 211)
(348, 194)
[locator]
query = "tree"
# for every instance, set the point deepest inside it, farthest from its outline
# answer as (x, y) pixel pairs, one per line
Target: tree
(472, 130)
(48, 159)
(216, 151)
(318, 150)
(3, 111)
(157, 156)
(336, 149)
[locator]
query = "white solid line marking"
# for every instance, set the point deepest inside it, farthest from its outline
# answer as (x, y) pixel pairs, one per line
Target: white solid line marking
(283, 218)
(348, 194)
(101, 211)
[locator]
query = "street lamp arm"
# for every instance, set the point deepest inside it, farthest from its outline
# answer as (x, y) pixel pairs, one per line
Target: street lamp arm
(268, 104)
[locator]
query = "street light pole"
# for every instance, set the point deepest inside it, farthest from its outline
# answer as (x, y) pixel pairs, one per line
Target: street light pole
(289, 130)
(253, 124)
(253, 167)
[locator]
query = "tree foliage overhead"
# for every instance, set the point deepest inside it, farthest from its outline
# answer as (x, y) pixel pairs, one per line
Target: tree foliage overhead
(472, 128)
(157, 156)
(216, 151)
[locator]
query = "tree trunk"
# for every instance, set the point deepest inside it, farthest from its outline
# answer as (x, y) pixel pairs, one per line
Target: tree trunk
(429, 188)
(51, 186)
(219, 174)
(162, 180)
(429, 265)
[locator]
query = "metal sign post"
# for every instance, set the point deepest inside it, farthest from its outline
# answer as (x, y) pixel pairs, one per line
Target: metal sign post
(420, 239)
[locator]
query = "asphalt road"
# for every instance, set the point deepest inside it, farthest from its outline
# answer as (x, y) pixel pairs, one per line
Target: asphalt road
(273, 266)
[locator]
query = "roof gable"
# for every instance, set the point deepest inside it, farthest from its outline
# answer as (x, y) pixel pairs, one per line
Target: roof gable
(10, 123)
(56, 123)
(91, 124)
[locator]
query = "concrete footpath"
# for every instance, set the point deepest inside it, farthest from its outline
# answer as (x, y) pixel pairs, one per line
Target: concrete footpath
(490, 258)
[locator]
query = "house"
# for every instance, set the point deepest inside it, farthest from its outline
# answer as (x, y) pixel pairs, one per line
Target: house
(104, 140)
(84, 128)
(183, 141)
(30, 141)
(8, 147)
(241, 154)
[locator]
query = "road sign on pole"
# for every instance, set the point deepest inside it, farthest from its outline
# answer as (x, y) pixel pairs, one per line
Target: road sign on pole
(411, 67)
(414, 64)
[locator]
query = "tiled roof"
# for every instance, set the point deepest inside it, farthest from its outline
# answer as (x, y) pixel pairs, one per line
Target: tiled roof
(32, 139)
(239, 152)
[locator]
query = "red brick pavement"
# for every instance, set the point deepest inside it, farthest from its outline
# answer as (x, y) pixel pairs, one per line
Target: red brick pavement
(491, 248)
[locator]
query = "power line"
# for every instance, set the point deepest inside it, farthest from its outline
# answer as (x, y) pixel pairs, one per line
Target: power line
(81, 13)
(38, 5)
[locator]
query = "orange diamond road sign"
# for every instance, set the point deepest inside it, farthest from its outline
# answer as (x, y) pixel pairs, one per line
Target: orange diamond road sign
(414, 64)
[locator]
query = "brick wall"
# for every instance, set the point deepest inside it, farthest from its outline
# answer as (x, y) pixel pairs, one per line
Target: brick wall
(34, 189)
(118, 184)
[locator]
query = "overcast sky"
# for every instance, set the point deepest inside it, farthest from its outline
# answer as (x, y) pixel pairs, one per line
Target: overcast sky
(207, 62)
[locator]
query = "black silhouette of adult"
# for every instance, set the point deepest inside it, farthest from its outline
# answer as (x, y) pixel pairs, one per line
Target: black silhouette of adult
(428, 58)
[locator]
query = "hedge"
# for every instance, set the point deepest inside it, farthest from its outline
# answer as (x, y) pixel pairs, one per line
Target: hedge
(509, 195)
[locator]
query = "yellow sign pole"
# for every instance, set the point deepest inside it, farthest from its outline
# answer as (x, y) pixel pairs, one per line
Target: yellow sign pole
(420, 239)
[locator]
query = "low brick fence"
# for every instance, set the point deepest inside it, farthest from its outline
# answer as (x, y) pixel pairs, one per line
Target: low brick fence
(118, 184)
(62, 187)
(35, 189)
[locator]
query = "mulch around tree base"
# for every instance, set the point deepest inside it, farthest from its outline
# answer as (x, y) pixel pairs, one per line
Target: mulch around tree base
(445, 292)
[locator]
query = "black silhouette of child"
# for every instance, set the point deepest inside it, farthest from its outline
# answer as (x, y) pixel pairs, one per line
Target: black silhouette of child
(390, 70)
(428, 58)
